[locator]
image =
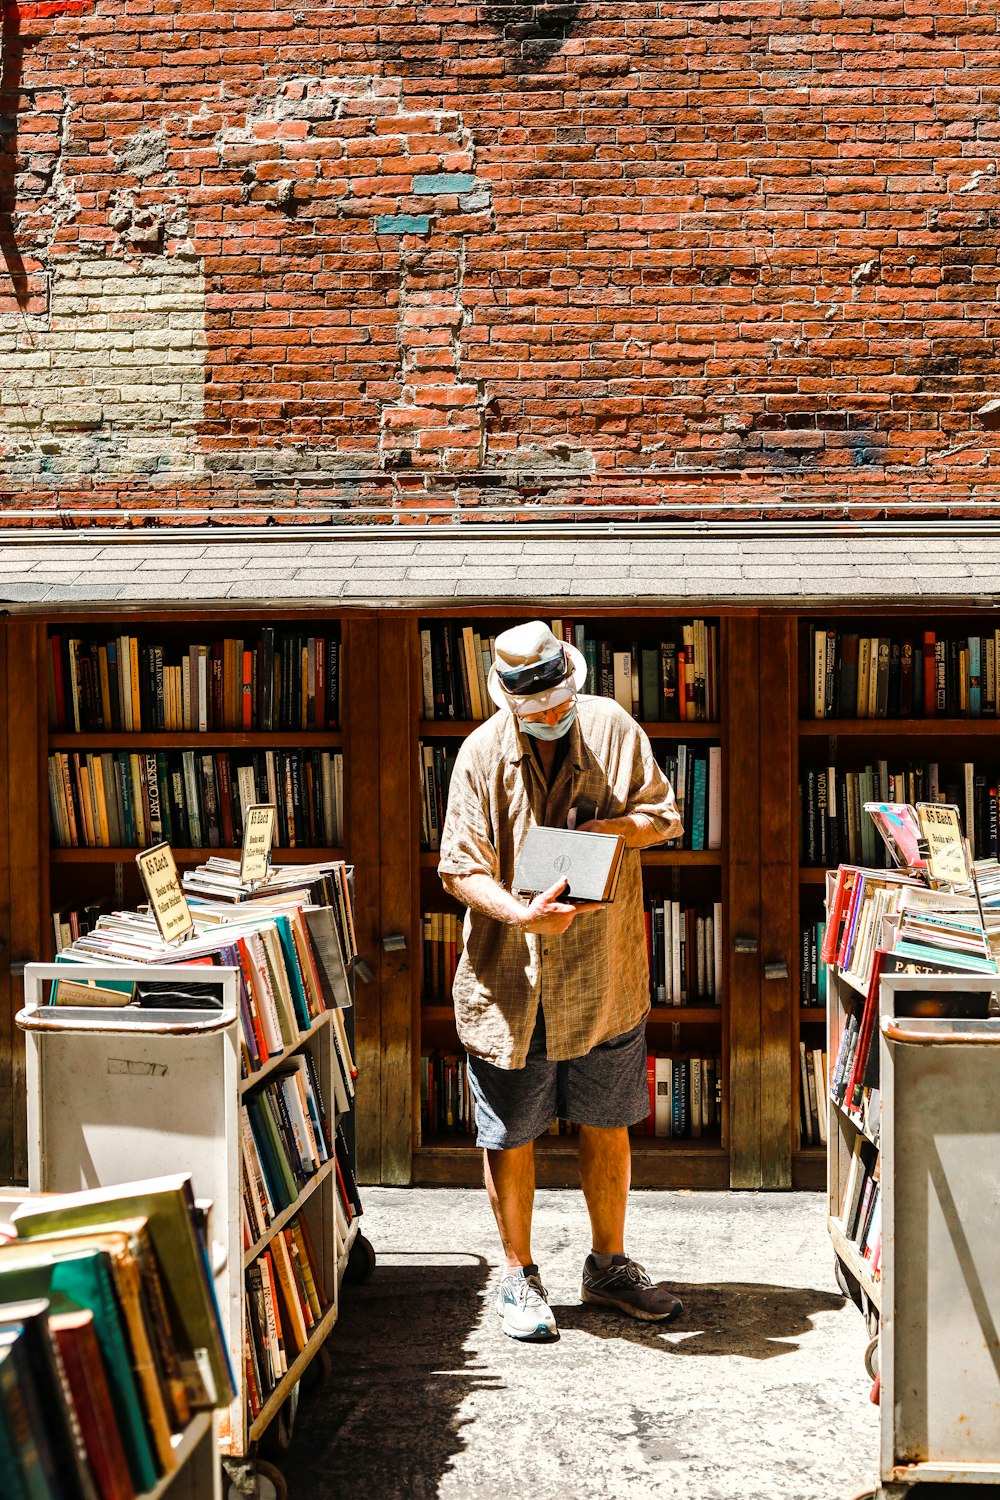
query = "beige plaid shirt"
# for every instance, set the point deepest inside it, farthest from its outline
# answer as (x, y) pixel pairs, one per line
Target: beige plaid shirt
(593, 981)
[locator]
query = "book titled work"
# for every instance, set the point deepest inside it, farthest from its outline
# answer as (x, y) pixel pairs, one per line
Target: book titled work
(590, 863)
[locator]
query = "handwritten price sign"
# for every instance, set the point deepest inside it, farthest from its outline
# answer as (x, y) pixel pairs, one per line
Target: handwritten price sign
(167, 900)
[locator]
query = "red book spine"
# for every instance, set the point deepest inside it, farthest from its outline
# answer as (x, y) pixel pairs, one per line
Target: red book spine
(681, 685)
(930, 680)
(319, 694)
(263, 1051)
(835, 916)
(650, 1124)
(247, 694)
(845, 936)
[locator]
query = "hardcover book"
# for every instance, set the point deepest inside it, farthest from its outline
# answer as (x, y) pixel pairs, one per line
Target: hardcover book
(590, 863)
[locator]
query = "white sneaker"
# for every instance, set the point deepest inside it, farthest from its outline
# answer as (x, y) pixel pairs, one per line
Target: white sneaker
(523, 1308)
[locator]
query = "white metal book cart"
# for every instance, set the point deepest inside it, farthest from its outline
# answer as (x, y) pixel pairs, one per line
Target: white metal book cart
(138, 1092)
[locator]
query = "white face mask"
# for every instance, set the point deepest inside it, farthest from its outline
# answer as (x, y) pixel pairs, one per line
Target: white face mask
(543, 731)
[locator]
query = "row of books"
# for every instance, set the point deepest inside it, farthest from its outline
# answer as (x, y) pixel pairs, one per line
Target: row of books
(685, 1097)
(695, 773)
(862, 1203)
(441, 948)
(693, 770)
(812, 1094)
(127, 684)
(285, 1300)
(674, 681)
(111, 1339)
(812, 972)
(194, 800)
(284, 1140)
(914, 676)
(684, 949)
(833, 828)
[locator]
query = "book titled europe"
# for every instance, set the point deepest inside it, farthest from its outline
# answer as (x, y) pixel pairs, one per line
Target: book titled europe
(590, 863)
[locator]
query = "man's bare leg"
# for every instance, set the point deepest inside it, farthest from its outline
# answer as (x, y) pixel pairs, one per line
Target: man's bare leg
(510, 1186)
(605, 1176)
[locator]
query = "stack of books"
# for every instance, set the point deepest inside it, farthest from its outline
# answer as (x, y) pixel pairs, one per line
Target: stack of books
(684, 949)
(111, 1340)
(919, 675)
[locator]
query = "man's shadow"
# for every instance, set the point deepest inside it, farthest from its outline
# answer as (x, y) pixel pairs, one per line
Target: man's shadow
(735, 1318)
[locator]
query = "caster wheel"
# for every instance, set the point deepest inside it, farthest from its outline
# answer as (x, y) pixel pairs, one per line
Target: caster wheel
(840, 1276)
(277, 1439)
(269, 1484)
(318, 1372)
(360, 1260)
(871, 1358)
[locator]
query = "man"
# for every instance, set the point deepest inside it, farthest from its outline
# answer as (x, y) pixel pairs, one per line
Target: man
(550, 997)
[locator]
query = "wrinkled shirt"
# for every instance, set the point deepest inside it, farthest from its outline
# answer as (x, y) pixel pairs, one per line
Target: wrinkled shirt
(592, 982)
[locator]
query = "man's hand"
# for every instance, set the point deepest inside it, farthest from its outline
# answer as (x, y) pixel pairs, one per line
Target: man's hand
(549, 916)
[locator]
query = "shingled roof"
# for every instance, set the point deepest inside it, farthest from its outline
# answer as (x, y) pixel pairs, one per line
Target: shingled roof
(415, 567)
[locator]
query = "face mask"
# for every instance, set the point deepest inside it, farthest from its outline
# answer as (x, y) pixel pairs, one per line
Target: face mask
(543, 731)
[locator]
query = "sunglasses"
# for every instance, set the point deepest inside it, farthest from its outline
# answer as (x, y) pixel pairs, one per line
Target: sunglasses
(537, 676)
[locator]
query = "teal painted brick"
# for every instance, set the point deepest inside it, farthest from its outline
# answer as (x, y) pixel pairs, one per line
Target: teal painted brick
(403, 224)
(444, 182)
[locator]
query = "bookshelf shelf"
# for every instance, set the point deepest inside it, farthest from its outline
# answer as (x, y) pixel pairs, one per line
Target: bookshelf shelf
(294, 1373)
(665, 858)
(915, 728)
(855, 1262)
(102, 856)
(659, 1015)
(457, 1162)
(280, 1220)
(283, 739)
(812, 875)
(688, 730)
(193, 1448)
(811, 1014)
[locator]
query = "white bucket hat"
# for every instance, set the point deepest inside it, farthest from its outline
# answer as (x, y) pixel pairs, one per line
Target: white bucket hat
(528, 646)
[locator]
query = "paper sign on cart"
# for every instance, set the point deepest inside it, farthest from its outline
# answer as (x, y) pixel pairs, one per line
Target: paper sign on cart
(941, 826)
(166, 899)
(258, 835)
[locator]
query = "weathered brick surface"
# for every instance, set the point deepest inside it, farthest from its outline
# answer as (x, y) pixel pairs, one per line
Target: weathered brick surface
(386, 255)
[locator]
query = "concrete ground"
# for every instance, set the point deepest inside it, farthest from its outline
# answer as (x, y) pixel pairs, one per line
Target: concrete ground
(758, 1392)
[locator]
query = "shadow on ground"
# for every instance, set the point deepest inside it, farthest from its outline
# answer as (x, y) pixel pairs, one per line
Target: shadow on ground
(734, 1317)
(392, 1433)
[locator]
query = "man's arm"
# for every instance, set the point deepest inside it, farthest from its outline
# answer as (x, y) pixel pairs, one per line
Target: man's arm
(638, 831)
(546, 914)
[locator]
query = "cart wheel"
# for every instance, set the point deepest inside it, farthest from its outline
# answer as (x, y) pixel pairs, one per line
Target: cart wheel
(864, 1495)
(269, 1484)
(360, 1260)
(871, 1318)
(276, 1440)
(840, 1276)
(871, 1358)
(318, 1373)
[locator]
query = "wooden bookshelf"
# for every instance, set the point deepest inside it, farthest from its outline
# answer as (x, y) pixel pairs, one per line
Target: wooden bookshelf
(100, 856)
(847, 743)
(450, 1158)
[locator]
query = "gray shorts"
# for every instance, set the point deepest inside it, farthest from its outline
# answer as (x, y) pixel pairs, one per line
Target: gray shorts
(607, 1088)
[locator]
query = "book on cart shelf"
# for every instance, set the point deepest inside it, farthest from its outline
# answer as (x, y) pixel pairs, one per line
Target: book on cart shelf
(283, 953)
(112, 1351)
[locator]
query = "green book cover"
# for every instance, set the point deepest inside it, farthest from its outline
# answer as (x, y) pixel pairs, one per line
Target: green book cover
(294, 973)
(589, 649)
(265, 1133)
(85, 1280)
(698, 804)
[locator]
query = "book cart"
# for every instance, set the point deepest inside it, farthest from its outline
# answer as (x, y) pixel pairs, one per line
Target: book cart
(913, 1123)
(109, 1088)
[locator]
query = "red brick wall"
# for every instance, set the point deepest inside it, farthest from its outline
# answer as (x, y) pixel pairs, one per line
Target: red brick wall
(578, 254)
